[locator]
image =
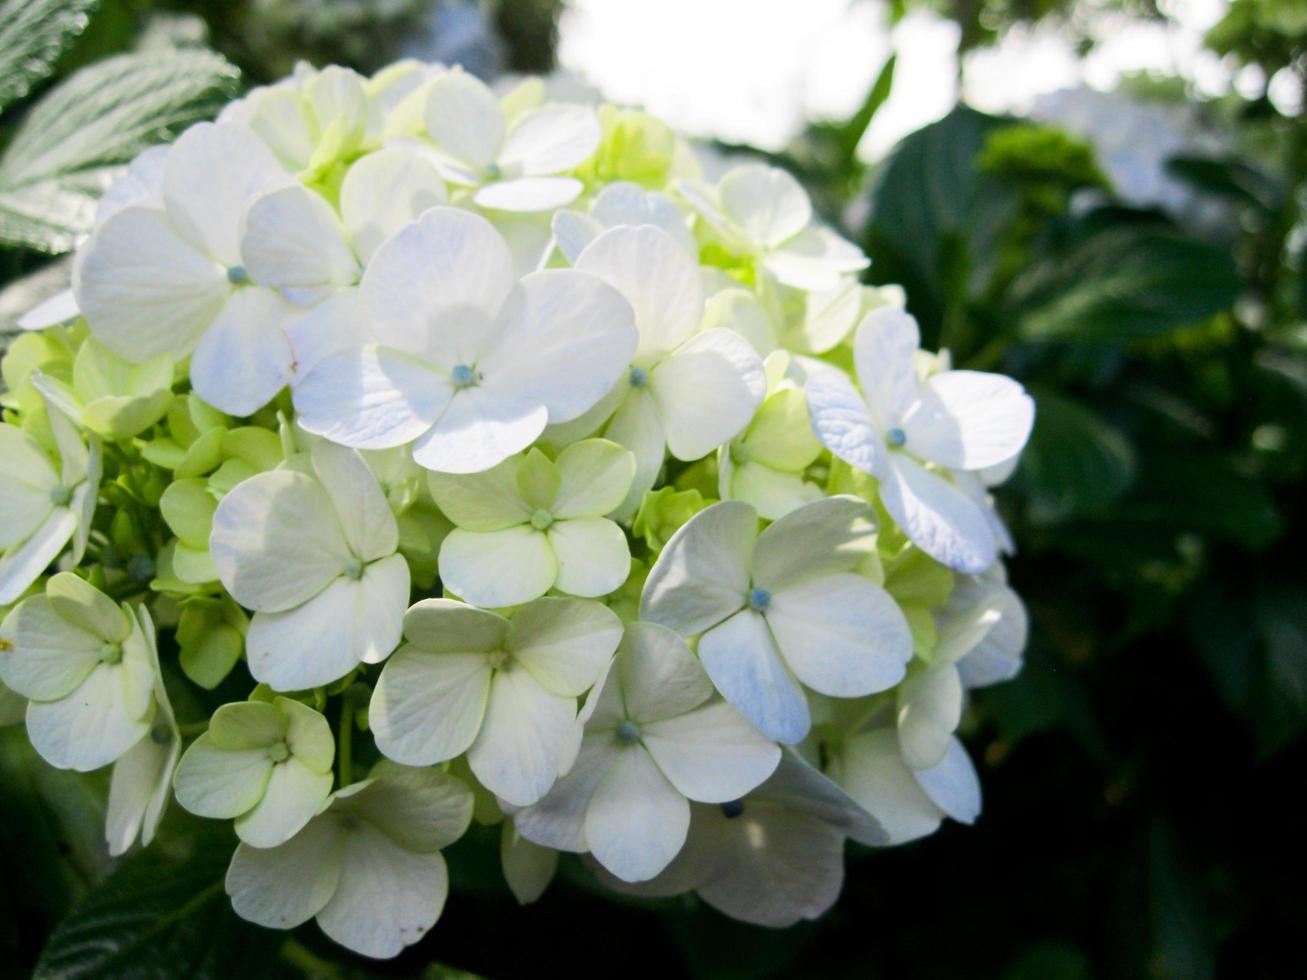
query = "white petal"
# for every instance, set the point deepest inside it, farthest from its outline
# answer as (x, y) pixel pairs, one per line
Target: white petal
(566, 644)
(937, 517)
(464, 120)
(497, 568)
(447, 626)
(702, 574)
(841, 635)
(741, 658)
(22, 566)
(59, 308)
(711, 754)
(874, 774)
(141, 184)
(592, 554)
(595, 475)
(929, 709)
(997, 657)
(841, 421)
(371, 398)
(347, 623)
(815, 260)
(516, 755)
(658, 277)
(365, 517)
(558, 819)
(884, 351)
(708, 390)
(636, 821)
(49, 657)
(293, 796)
(565, 338)
(657, 675)
(384, 191)
(771, 493)
(245, 357)
(276, 540)
(953, 785)
(91, 727)
(428, 707)
(529, 194)
(830, 535)
(487, 501)
(528, 867)
(221, 783)
(637, 425)
(434, 287)
(480, 428)
(282, 887)
(143, 290)
(387, 897)
(212, 174)
(969, 420)
(797, 785)
(421, 809)
(573, 231)
(625, 203)
(294, 241)
(766, 203)
(551, 139)
(138, 792)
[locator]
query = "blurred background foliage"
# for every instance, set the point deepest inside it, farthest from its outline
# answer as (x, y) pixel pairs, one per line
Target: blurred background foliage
(1140, 773)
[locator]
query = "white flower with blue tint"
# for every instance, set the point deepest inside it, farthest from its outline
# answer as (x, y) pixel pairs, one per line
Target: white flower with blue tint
(468, 365)
(782, 610)
(620, 203)
(503, 691)
(315, 556)
(368, 867)
(899, 424)
(654, 740)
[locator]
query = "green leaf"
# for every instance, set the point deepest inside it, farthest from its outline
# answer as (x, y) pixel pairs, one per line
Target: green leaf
(1075, 462)
(71, 144)
(1124, 282)
(33, 33)
(162, 913)
(850, 133)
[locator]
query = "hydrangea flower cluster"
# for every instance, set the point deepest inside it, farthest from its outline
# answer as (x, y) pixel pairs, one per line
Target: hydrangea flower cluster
(448, 454)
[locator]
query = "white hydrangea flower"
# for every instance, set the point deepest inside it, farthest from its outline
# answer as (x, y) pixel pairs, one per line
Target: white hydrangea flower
(368, 867)
(686, 391)
(266, 765)
(44, 504)
(142, 778)
(514, 166)
(764, 465)
(781, 610)
(654, 740)
(763, 212)
(909, 803)
(532, 524)
(620, 203)
(315, 556)
(774, 858)
(384, 191)
(85, 665)
(981, 633)
(796, 320)
(503, 691)
(466, 363)
(955, 420)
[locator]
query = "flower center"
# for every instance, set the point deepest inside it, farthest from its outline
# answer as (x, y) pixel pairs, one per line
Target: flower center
(628, 732)
(236, 275)
(759, 600)
(60, 495)
(160, 735)
(353, 569)
(740, 453)
(140, 568)
(110, 653)
(500, 660)
(896, 437)
(639, 377)
(541, 519)
(463, 376)
(732, 809)
(278, 752)
(493, 171)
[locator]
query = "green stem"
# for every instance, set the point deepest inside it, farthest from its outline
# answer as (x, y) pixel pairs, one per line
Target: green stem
(193, 728)
(306, 961)
(345, 736)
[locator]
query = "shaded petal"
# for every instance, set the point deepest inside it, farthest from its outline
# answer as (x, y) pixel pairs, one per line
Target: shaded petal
(464, 120)
(702, 574)
(841, 420)
(708, 391)
(528, 867)
(874, 774)
(884, 351)
(293, 796)
(517, 752)
(953, 785)
(565, 643)
(637, 425)
(595, 475)
(937, 517)
(221, 783)
(498, 568)
(49, 657)
(20, 567)
(91, 727)
(480, 428)
(487, 501)
(593, 556)
(245, 357)
(446, 626)
(711, 754)
(968, 420)
(428, 707)
(365, 517)
(929, 710)
(636, 821)
(294, 241)
(741, 658)
(384, 191)
(558, 820)
(282, 887)
(657, 675)
(830, 535)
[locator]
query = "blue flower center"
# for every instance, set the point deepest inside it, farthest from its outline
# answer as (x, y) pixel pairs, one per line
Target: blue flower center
(160, 734)
(732, 809)
(493, 171)
(353, 569)
(236, 275)
(60, 496)
(628, 732)
(896, 437)
(759, 600)
(463, 376)
(638, 377)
